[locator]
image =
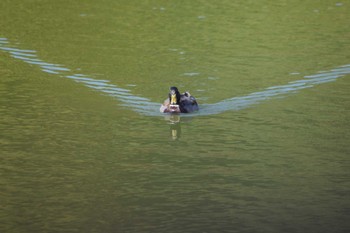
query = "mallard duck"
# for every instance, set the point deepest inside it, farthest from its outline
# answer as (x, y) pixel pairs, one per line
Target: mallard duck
(179, 103)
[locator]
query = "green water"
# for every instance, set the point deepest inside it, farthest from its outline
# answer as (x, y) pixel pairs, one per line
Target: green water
(267, 152)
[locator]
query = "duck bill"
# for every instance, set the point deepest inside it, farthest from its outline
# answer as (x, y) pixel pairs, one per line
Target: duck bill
(173, 100)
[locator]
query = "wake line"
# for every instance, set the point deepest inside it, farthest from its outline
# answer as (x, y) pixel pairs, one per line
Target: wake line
(146, 107)
(139, 104)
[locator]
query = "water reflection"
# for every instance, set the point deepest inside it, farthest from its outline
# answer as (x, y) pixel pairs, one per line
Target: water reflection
(175, 122)
(175, 130)
(146, 107)
(174, 125)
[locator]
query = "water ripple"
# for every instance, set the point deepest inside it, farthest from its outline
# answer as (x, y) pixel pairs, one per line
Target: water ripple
(146, 107)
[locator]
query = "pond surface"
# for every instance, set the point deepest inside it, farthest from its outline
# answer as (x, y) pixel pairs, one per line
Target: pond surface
(84, 147)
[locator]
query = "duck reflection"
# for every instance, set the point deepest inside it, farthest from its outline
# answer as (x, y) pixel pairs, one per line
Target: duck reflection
(175, 125)
(175, 130)
(175, 121)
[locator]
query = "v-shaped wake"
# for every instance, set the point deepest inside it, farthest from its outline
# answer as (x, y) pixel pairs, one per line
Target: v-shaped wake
(146, 107)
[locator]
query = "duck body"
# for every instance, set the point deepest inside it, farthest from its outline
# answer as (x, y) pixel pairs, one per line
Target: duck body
(179, 103)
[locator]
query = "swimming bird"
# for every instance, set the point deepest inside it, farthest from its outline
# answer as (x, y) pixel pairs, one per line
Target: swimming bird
(179, 103)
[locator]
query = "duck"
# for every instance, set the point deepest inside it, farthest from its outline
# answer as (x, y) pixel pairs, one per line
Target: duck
(179, 103)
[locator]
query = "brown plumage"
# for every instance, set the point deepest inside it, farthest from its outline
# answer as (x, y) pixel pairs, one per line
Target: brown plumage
(179, 103)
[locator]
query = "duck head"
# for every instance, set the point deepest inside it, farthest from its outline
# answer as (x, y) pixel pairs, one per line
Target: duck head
(174, 96)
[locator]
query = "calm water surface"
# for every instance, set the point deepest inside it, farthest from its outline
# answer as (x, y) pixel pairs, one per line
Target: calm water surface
(85, 149)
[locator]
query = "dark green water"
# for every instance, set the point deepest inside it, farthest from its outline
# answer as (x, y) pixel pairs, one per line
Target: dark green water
(83, 147)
